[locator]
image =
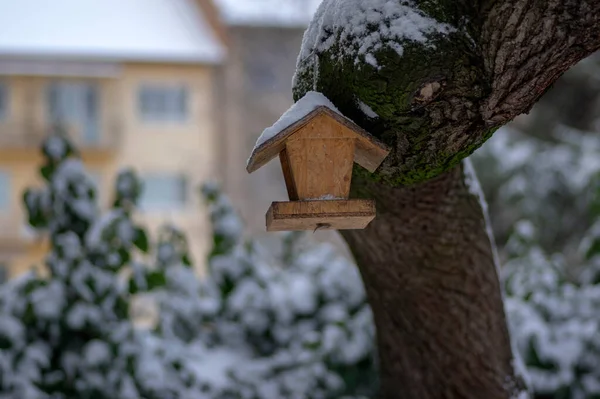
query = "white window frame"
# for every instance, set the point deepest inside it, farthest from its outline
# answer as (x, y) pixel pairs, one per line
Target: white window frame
(76, 102)
(171, 103)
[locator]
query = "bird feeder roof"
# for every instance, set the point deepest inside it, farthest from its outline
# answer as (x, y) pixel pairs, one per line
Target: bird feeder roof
(369, 152)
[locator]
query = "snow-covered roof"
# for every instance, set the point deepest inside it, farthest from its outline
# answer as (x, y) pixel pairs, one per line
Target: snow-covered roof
(135, 30)
(288, 13)
(304, 106)
(369, 152)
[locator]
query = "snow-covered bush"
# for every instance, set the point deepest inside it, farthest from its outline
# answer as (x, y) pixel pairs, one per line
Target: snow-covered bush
(545, 207)
(67, 333)
(555, 322)
(291, 325)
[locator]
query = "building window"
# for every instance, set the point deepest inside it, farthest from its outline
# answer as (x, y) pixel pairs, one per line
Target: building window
(164, 192)
(3, 100)
(5, 192)
(76, 103)
(163, 103)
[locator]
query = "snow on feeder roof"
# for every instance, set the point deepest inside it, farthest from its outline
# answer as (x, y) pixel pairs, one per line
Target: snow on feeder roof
(317, 147)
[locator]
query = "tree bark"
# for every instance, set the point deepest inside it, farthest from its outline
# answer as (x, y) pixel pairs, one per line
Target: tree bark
(426, 260)
(429, 271)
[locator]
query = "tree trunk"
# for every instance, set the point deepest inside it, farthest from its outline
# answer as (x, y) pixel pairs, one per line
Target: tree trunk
(434, 97)
(428, 267)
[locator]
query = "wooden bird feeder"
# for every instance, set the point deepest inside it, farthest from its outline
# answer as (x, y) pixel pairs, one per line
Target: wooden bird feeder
(317, 147)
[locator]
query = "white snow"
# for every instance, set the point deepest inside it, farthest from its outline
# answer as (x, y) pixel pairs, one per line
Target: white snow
(70, 245)
(278, 13)
(11, 328)
(361, 28)
(126, 183)
(56, 147)
(81, 313)
(128, 389)
(475, 188)
(231, 225)
(326, 197)
(213, 364)
(368, 111)
(48, 302)
(302, 295)
(69, 169)
(94, 235)
(311, 101)
(126, 231)
(97, 352)
(137, 30)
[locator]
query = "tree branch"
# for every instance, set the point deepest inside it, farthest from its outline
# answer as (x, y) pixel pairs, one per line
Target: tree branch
(527, 44)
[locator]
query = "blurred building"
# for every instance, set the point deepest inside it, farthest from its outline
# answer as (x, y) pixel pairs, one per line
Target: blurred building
(134, 81)
(265, 37)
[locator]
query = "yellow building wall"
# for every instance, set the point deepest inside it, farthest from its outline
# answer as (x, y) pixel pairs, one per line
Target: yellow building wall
(188, 148)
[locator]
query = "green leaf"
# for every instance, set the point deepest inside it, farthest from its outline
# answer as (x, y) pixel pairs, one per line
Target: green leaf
(153, 279)
(47, 171)
(594, 249)
(595, 203)
(185, 259)
(35, 217)
(156, 279)
(134, 288)
(141, 240)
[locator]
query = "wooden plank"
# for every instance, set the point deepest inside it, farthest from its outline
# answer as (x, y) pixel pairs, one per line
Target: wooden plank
(322, 168)
(369, 153)
(288, 175)
(369, 156)
(323, 126)
(322, 215)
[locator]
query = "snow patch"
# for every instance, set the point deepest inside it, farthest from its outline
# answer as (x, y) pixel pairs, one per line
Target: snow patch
(213, 364)
(368, 111)
(93, 237)
(326, 197)
(359, 29)
(141, 30)
(285, 13)
(475, 188)
(56, 147)
(311, 101)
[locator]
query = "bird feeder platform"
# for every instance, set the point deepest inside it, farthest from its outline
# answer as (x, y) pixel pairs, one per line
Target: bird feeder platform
(317, 147)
